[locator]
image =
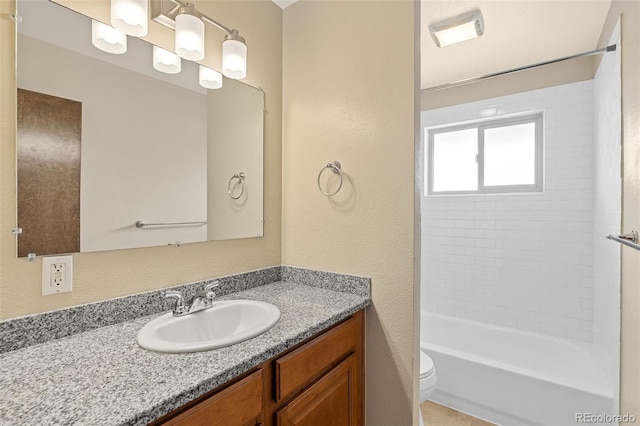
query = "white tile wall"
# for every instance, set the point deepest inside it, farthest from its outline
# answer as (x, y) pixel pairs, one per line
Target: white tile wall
(607, 212)
(522, 261)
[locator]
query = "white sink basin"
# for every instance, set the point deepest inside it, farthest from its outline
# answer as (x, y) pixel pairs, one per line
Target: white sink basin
(227, 322)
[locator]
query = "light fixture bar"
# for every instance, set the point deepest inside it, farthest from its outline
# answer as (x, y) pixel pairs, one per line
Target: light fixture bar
(164, 12)
(182, 17)
(212, 22)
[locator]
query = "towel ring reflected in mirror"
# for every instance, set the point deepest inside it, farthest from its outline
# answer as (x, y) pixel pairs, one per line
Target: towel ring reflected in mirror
(240, 181)
(336, 168)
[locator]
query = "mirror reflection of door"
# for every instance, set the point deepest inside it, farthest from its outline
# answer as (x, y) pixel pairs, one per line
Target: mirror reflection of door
(48, 154)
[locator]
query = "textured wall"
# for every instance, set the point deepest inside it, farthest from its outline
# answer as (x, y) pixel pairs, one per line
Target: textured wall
(519, 260)
(629, 14)
(349, 96)
(104, 275)
(607, 206)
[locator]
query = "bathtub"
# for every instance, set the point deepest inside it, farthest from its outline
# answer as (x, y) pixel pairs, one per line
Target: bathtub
(512, 377)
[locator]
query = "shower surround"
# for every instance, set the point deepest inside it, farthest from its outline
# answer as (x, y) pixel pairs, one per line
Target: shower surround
(523, 261)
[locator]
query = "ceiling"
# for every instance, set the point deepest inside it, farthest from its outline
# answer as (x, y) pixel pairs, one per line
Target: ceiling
(284, 3)
(517, 33)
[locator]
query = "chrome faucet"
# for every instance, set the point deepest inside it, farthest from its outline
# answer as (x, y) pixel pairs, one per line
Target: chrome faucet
(201, 302)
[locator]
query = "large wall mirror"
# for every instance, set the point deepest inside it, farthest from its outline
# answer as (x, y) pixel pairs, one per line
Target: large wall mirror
(114, 154)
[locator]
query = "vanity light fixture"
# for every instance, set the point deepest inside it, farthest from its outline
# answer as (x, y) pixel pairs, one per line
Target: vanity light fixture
(459, 28)
(234, 56)
(188, 24)
(165, 61)
(189, 34)
(209, 78)
(107, 38)
(130, 16)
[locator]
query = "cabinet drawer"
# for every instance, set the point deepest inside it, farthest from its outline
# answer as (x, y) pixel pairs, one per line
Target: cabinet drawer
(239, 404)
(332, 400)
(305, 364)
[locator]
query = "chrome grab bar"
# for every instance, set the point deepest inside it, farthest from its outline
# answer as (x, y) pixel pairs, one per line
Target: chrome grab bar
(629, 240)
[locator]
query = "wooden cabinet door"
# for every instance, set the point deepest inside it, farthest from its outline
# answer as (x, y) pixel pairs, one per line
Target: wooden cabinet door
(306, 364)
(238, 405)
(331, 401)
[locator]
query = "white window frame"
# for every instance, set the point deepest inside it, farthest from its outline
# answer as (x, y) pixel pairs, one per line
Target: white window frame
(537, 186)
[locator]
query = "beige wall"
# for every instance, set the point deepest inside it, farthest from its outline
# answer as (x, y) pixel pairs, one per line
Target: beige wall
(349, 95)
(237, 113)
(630, 288)
(104, 275)
(537, 78)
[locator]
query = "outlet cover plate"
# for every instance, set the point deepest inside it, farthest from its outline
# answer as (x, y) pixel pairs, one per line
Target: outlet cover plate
(57, 275)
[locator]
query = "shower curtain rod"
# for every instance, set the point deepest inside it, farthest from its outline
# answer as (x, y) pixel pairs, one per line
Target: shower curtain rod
(611, 48)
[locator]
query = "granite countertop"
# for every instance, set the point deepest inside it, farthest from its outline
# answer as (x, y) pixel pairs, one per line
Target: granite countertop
(102, 376)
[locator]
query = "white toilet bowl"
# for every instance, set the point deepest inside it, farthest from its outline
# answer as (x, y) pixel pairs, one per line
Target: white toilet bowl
(427, 379)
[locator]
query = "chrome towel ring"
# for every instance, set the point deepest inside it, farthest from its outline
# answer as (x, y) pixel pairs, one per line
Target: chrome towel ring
(240, 176)
(335, 167)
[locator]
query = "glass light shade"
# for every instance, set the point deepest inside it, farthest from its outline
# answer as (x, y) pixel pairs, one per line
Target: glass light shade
(107, 38)
(457, 29)
(209, 78)
(165, 61)
(189, 37)
(234, 59)
(130, 16)
(457, 34)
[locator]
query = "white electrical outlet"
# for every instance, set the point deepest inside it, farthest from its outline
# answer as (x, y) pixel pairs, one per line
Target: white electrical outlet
(57, 274)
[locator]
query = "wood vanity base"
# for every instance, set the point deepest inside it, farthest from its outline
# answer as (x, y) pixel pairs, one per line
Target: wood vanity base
(319, 382)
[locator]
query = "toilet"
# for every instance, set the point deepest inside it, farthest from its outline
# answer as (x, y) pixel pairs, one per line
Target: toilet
(427, 379)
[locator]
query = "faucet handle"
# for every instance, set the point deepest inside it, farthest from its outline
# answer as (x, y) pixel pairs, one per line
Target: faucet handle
(209, 289)
(180, 307)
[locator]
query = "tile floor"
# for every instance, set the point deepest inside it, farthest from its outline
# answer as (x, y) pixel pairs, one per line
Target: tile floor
(439, 415)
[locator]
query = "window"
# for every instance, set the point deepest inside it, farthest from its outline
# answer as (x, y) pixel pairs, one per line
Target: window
(498, 156)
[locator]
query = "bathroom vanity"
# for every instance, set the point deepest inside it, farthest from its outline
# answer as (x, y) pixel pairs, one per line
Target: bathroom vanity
(320, 378)
(305, 369)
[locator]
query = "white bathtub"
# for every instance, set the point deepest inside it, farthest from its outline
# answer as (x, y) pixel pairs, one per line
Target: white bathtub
(511, 377)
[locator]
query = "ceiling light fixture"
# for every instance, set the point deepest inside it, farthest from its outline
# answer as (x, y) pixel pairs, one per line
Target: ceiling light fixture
(188, 24)
(107, 38)
(130, 16)
(460, 28)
